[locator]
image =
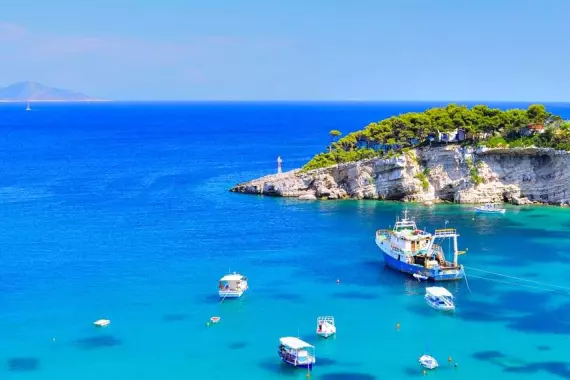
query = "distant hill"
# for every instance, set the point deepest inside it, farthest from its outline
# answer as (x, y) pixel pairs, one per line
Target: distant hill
(33, 91)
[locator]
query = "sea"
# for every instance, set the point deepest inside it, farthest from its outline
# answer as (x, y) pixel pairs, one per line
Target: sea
(122, 211)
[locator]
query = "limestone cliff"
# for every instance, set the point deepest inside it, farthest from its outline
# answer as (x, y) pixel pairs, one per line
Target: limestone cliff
(450, 173)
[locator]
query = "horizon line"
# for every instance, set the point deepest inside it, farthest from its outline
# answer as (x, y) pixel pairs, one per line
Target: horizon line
(103, 100)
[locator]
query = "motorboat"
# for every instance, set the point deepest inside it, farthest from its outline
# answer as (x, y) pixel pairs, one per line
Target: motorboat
(296, 352)
(326, 326)
(232, 285)
(489, 208)
(439, 298)
(102, 323)
(419, 277)
(428, 362)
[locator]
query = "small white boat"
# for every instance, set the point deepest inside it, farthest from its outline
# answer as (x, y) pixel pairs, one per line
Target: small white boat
(326, 326)
(28, 107)
(232, 285)
(419, 277)
(296, 352)
(428, 362)
(489, 208)
(439, 298)
(102, 323)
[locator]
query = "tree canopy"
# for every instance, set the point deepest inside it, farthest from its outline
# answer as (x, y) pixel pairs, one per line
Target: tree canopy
(480, 125)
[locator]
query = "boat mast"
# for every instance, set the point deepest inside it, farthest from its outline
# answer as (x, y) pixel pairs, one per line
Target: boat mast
(455, 251)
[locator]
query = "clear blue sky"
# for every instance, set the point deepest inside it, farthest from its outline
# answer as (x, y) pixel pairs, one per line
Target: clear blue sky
(291, 49)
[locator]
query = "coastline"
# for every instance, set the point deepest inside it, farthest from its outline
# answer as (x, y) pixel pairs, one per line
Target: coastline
(451, 174)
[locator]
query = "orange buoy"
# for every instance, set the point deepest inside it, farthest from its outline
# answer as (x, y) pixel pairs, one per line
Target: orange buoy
(215, 319)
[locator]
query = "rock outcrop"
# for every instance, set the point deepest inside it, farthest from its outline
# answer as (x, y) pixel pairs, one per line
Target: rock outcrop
(449, 173)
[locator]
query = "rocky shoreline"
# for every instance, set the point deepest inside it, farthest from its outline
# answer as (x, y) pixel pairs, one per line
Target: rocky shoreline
(433, 174)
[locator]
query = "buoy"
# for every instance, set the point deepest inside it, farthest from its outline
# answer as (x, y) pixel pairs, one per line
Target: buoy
(456, 365)
(53, 339)
(449, 359)
(207, 324)
(424, 372)
(397, 326)
(337, 281)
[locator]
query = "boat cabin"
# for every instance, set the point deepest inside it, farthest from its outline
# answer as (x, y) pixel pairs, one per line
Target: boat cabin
(232, 285)
(296, 352)
(406, 237)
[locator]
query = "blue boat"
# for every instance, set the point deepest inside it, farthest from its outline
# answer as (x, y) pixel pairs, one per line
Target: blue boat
(409, 250)
(296, 352)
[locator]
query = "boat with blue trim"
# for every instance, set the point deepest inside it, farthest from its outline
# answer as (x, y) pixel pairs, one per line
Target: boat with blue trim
(410, 250)
(489, 208)
(296, 352)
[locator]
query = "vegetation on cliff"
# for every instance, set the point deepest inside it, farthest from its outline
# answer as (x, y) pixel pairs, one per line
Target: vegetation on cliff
(479, 125)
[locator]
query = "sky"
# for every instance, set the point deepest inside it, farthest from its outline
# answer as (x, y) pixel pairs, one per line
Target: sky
(399, 50)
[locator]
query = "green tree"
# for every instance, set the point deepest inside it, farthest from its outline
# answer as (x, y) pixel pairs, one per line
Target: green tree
(334, 135)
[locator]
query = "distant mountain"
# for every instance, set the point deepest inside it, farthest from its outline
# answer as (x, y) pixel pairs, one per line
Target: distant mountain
(33, 91)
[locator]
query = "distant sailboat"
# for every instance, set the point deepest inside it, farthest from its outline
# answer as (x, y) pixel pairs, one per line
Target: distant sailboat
(28, 107)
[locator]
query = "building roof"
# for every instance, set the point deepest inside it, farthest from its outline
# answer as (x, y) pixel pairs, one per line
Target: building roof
(535, 126)
(294, 343)
(437, 291)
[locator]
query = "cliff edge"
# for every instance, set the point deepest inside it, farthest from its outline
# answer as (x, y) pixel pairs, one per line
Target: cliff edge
(446, 173)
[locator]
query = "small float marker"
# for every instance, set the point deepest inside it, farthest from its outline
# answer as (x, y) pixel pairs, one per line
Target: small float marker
(102, 323)
(337, 281)
(398, 326)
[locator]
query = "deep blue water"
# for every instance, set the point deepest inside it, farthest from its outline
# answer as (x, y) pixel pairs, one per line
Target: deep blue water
(121, 211)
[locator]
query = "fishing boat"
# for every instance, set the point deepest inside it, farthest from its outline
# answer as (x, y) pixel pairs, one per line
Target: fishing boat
(428, 362)
(489, 208)
(326, 326)
(410, 250)
(439, 298)
(232, 285)
(296, 352)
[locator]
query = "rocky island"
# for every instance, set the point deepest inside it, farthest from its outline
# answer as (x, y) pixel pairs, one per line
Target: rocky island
(455, 154)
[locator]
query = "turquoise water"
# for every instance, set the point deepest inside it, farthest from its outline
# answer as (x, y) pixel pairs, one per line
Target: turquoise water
(122, 212)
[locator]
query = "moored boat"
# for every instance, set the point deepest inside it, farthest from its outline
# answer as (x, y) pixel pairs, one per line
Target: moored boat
(410, 250)
(296, 352)
(102, 323)
(439, 298)
(428, 362)
(232, 285)
(489, 208)
(326, 326)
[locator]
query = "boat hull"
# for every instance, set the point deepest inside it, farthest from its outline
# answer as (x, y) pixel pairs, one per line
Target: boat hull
(288, 361)
(498, 211)
(431, 274)
(230, 294)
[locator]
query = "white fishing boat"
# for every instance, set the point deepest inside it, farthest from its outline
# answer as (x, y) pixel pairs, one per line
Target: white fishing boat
(326, 326)
(410, 250)
(296, 352)
(490, 208)
(102, 323)
(439, 298)
(428, 362)
(28, 107)
(232, 285)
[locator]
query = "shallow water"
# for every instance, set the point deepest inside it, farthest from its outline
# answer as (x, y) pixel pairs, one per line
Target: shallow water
(122, 212)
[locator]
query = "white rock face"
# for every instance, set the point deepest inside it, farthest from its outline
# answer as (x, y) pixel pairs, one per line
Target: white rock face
(518, 176)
